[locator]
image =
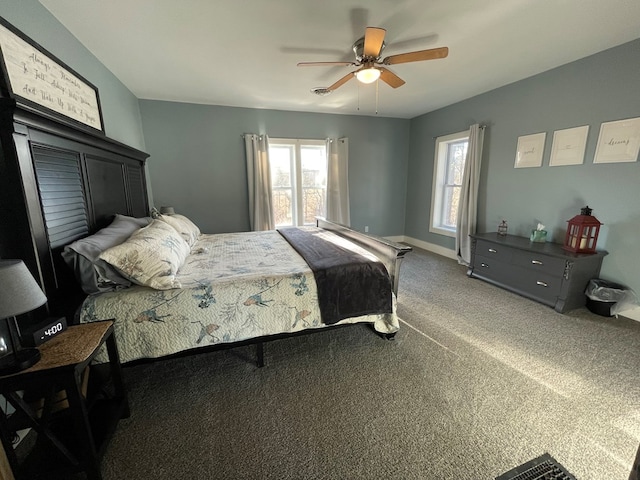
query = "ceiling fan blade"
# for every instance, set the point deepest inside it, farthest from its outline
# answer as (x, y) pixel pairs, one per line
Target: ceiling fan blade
(390, 78)
(341, 82)
(373, 38)
(418, 56)
(326, 64)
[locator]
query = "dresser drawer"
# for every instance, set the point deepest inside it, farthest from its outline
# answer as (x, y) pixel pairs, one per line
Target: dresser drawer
(537, 285)
(539, 262)
(491, 250)
(492, 268)
(534, 284)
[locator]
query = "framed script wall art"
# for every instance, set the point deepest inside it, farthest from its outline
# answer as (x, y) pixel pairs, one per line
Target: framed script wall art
(39, 80)
(568, 146)
(618, 141)
(529, 151)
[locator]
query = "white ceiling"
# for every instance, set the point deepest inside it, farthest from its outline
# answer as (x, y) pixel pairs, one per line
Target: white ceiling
(244, 52)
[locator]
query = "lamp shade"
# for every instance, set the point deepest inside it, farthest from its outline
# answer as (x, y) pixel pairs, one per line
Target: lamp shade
(19, 292)
(368, 75)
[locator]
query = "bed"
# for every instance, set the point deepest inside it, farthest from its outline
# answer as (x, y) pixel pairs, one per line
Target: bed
(62, 183)
(234, 288)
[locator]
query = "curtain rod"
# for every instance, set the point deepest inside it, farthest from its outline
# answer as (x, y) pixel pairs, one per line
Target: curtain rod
(242, 135)
(445, 134)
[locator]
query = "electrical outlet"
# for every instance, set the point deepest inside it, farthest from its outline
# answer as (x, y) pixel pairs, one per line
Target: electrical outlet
(366, 229)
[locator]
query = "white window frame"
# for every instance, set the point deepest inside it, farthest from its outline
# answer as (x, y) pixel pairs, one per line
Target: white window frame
(296, 167)
(439, 177)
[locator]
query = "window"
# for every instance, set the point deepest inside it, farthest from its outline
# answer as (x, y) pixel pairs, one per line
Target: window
(298, 180)
(450, 155)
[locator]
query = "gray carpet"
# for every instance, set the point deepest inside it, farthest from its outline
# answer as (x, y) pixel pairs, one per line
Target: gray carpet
(478, 381)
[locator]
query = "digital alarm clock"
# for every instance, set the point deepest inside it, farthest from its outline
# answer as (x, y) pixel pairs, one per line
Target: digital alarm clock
(44, 331)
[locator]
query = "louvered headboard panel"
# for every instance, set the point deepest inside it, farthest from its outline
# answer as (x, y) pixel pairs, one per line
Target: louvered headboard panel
(59, 177)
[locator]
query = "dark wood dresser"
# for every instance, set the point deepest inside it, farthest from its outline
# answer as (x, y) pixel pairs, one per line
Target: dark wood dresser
(544, 272)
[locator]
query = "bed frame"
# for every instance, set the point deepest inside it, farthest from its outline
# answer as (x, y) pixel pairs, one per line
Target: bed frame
(390, 253)
(60, 183)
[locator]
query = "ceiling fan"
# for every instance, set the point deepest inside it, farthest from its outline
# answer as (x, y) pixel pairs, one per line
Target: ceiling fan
(368, 50)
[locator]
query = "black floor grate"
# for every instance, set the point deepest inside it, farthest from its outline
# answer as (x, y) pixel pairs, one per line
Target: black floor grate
(545, 467)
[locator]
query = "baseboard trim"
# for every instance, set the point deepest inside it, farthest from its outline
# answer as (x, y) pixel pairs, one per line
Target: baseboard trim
(632, 314)
(431, 247)
(396, 238)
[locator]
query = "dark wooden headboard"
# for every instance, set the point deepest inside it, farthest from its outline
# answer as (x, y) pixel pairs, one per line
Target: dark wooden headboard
(57, 184)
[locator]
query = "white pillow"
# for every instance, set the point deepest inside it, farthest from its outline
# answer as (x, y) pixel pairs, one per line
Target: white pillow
(150, 257)
(185, 227)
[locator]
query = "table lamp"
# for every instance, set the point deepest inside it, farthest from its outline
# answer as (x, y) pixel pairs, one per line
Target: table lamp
(19, 293)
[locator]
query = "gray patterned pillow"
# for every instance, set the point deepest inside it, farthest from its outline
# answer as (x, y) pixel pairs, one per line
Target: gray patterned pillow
(82, 256)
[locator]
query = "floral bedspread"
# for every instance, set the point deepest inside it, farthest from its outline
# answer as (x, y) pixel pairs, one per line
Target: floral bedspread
(235, 286)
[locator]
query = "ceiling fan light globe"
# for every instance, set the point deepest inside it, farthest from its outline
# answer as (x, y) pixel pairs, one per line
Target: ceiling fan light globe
(368, 75)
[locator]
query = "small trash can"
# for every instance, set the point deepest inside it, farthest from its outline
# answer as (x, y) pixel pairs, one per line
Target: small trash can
(603, 296)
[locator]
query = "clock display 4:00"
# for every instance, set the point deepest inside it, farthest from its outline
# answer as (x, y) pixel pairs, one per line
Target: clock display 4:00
(53, 329)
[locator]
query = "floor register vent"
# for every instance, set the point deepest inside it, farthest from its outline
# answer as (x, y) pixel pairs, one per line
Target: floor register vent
(545, 467)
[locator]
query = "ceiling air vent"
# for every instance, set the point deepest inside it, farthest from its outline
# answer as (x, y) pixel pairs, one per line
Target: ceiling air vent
(321, 91)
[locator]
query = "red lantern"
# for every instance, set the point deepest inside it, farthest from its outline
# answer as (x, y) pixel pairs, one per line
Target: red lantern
(582, 232)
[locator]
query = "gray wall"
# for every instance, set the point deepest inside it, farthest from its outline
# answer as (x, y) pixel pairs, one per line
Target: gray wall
(120, 109)
(197, 159)
(599, 88)
(198, 162)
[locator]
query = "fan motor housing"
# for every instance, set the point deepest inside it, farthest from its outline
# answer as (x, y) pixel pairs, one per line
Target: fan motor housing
(358, 50)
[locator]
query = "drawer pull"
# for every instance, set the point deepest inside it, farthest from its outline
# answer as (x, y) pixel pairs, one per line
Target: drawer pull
(542, 284)
(536, 262)
(493, 250)
(484, 265)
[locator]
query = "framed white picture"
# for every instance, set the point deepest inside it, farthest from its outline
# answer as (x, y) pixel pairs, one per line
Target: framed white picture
(38, 79)
(529, 151)
(618, 141)
(568, 146)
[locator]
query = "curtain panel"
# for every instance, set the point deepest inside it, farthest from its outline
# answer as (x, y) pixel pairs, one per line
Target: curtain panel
(468, 207)
(259, 182)
(338, 181)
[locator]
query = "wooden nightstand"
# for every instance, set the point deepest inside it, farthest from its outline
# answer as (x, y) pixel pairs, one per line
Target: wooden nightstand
(74, 438)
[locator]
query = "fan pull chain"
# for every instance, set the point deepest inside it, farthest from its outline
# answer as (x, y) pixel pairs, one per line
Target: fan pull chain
(377, 85)
(358, 96)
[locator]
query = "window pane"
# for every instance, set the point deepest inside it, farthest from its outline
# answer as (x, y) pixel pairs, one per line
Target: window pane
(314, 166)
(314, 204)
(280, 162)
(450, 206)
(314, 182)
(456, 154)
(282, 207)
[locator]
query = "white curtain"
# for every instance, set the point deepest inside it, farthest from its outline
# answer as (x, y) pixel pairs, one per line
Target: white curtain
(468, 206)
(338, 181)
(259, 182)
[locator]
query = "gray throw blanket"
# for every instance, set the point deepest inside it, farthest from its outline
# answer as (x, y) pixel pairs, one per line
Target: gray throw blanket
(349, 285)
